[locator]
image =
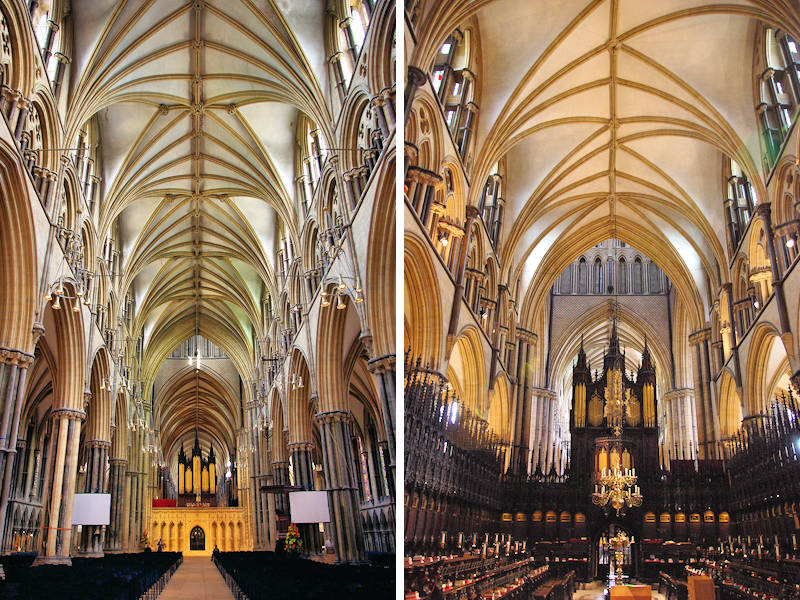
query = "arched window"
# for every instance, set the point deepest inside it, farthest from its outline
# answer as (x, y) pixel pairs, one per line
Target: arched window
(636, 276)
(454, 84)
(583, 276)
(740, 204)
(565, 281)
(622, 277)
(655, 278)
(597, 277)
(443, 65)
(490, 205)
(359, 21)
(352, 32)
(779, 91)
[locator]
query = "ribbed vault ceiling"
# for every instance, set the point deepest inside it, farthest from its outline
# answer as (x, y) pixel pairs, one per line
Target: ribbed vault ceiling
(585, 97)
(197, 104)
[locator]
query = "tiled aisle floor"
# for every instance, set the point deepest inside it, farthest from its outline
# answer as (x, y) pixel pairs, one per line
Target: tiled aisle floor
(196, 579)
(595, 590)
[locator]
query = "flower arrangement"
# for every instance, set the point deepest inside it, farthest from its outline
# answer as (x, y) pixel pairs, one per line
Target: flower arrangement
(293, 543)
(144, 540)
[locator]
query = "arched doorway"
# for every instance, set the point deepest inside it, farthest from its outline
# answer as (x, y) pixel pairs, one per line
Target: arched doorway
(197, 539)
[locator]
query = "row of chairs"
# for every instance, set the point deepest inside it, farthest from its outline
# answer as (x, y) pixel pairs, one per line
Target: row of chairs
(267, 575)
(113, 577)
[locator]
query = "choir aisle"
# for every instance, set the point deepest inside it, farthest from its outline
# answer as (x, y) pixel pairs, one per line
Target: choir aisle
(196, 579)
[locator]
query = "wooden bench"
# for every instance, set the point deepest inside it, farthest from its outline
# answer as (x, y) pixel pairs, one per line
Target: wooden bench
(557, 589)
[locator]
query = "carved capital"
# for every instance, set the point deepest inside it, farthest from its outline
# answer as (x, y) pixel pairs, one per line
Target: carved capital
(98, 444)
(381, 364)
(19, 358)
(300, 446)
(68, 413)
(700, 336)
(334, 416)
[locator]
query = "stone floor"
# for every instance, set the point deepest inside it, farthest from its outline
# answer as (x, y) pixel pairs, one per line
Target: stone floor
(196, 579)
(596, 591)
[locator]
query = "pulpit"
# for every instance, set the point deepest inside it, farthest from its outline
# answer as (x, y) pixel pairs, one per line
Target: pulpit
(631, 592)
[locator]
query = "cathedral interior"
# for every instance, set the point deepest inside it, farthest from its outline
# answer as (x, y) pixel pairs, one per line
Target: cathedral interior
(601, 204)
(197, 253)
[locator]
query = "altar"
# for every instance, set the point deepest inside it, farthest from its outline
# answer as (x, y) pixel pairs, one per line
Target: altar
(195, 531)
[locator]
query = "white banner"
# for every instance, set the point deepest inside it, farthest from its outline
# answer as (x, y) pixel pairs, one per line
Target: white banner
(309, 507)
(91, 509)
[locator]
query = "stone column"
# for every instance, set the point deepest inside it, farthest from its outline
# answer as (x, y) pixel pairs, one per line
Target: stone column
(461, 267)
(378, 103)
(728, 287)
(335, 61)
(62, 468)
(415, 77)
(340, 479)
(764, 211)
(544, 401)
(269, 510)
(96, 458)
(304, 477)
(135, 494)
(703, 400)
(344, 24)
(388, 94)
(678, 404)
(383, 368)
(23, 106)
(522, 413)
(13, 369)
(116, 485)
(61, 69)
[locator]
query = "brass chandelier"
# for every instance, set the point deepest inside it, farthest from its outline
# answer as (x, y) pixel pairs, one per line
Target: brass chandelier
(617, 489)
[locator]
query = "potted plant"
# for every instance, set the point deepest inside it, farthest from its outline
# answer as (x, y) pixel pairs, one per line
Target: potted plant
(293, 544)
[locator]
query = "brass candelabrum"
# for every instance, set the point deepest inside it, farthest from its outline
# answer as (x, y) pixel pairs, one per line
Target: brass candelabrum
(617, 489)
(618, 543)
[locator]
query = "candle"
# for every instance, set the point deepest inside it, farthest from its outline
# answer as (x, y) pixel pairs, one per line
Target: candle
(794, 542)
